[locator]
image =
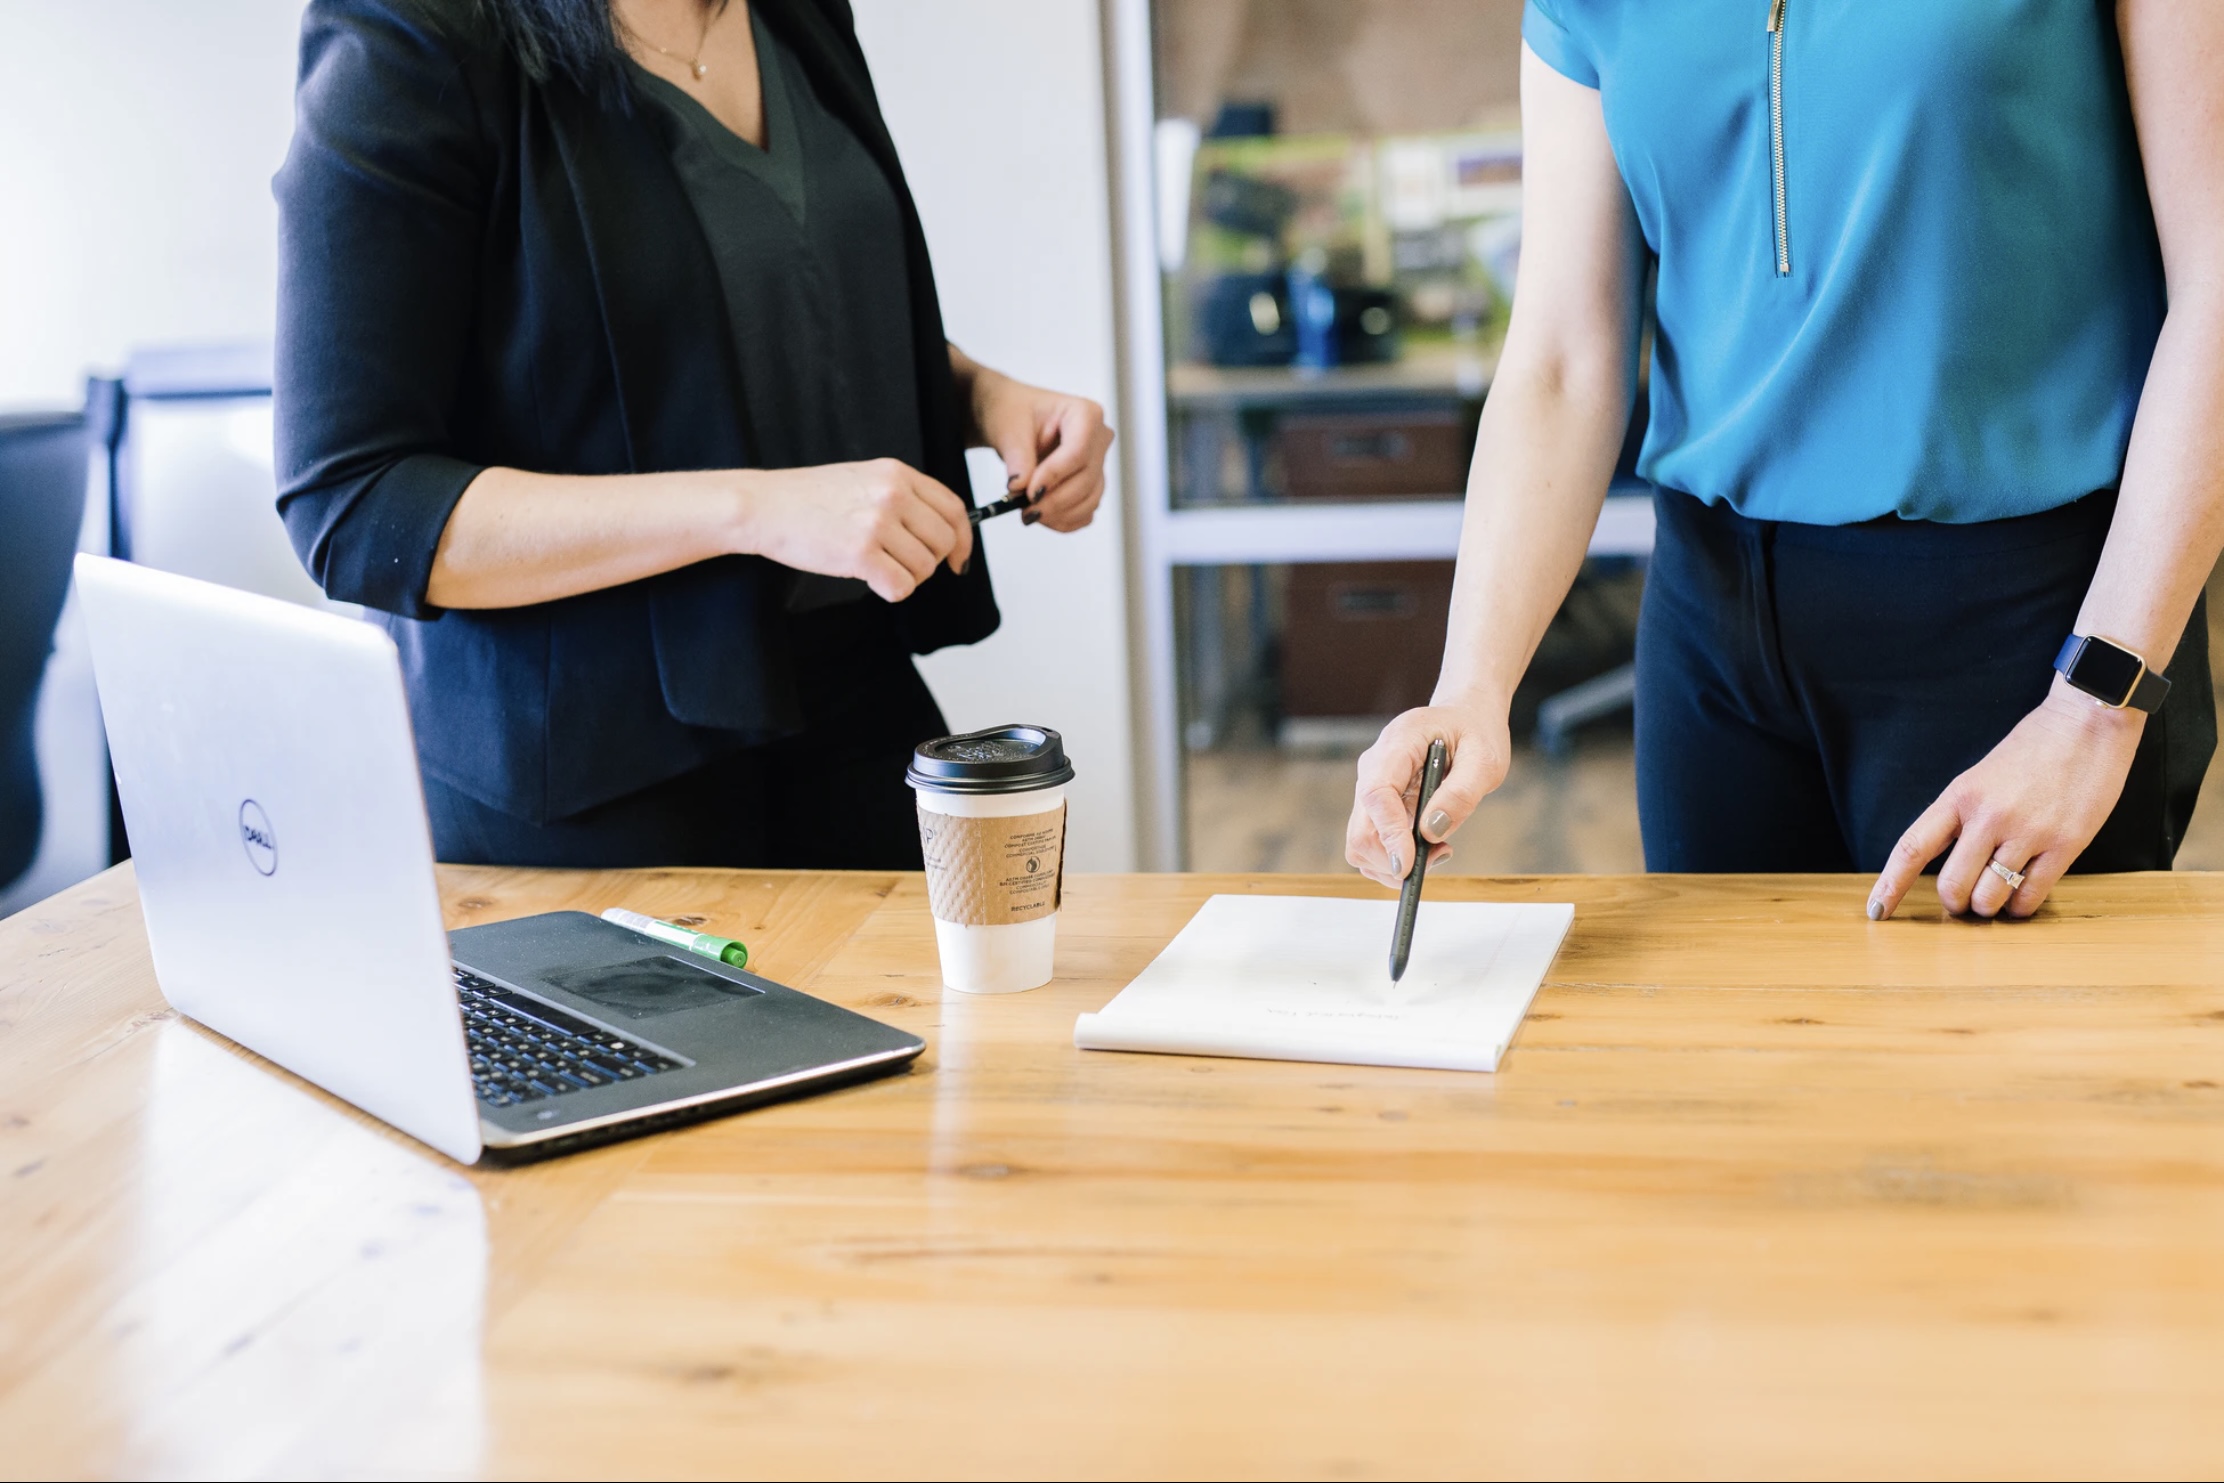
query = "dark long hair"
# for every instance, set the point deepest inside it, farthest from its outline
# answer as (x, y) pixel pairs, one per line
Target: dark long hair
(576, 40)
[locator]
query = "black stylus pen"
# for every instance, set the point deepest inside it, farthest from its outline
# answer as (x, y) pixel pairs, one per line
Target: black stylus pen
(1004, 506)
(1409, 899)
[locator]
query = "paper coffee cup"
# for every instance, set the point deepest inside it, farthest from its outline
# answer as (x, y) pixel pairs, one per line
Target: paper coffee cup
(992, 825)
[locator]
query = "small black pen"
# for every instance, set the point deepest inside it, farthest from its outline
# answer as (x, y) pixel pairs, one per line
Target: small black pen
(1409, 898)
(1004, 506)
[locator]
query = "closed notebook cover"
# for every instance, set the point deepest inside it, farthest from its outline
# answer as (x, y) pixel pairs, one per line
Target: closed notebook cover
(1307, 978)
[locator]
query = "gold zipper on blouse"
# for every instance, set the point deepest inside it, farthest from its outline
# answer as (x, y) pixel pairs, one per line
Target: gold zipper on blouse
(1776, 135)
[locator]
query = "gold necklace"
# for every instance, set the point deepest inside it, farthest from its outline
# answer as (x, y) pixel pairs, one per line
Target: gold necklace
(694, 64)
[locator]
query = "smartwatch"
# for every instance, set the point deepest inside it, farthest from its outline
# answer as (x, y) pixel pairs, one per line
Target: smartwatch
(2111, 674)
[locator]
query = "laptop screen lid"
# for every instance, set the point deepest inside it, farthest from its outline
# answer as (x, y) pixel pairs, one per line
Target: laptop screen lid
(269, 783)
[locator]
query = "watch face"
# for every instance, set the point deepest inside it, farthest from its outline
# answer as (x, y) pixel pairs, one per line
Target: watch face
(2104, 670)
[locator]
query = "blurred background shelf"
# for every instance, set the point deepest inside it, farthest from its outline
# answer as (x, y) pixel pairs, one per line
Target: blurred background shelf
(1403, 530)
(1434, 373)
(1320, 230)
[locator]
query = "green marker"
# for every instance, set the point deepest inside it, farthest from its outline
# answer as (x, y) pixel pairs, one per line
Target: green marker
(724, 949)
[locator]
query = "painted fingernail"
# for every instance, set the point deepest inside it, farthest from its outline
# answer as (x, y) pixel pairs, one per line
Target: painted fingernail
(1876, 910)
(1438, 822)
(1395, 867)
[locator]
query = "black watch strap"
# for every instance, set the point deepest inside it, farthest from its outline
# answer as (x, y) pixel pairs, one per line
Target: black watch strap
(2111, 674)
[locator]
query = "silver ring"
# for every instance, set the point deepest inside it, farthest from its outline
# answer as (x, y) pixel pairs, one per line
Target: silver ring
(2014, 878)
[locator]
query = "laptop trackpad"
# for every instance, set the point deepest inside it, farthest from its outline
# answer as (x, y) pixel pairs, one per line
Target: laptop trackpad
(647, 987)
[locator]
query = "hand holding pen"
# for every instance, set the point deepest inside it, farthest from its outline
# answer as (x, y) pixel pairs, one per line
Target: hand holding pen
(1053, 446)
(1378, 837)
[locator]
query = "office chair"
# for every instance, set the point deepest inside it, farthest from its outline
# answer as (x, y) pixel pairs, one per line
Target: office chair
(43, 475)
(194, 490)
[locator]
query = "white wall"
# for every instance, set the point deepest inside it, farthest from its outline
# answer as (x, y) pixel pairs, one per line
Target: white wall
(997, 107)
(137, 142)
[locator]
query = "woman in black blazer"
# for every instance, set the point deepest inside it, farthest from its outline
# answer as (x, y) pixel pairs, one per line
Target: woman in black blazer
(611, 376)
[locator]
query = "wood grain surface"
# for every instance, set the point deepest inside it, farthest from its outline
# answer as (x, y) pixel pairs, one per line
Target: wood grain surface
(1762, 1189)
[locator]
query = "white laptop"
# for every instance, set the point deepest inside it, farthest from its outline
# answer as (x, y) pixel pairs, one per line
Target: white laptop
(277, 825)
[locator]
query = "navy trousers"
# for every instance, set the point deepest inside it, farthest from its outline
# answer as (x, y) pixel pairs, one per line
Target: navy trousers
(1804, 691)
(832, 798)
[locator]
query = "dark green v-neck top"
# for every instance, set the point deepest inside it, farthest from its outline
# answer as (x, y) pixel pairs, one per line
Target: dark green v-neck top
(808, 240)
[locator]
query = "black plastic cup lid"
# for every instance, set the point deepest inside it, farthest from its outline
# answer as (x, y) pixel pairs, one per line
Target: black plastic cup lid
(1002, 759)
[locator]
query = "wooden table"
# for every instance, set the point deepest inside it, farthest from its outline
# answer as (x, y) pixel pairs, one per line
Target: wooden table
(1762, 1189)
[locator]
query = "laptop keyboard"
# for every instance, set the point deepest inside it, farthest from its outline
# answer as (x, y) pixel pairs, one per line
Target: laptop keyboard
(523, 1050)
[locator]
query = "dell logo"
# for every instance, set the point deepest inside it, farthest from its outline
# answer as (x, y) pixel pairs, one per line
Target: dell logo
(256, 837)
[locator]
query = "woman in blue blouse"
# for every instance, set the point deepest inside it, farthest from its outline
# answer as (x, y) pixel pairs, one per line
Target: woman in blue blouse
(1937, 430)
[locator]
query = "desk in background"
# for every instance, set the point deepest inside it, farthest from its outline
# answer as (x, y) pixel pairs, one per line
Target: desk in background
(1761, 1189)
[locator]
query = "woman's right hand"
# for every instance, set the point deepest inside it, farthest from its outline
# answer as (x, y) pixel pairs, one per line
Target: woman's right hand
(1379, 839)
(882, 522)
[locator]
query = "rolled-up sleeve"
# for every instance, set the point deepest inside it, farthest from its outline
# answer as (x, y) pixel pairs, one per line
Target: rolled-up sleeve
(1555, 45)
(381, 202)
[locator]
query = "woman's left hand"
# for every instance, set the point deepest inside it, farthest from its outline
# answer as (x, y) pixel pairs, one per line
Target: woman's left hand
(2033, 804)
(1052, 444)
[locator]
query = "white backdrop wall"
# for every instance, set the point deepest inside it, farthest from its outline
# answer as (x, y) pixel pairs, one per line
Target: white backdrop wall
(137, 142)
(998, 109)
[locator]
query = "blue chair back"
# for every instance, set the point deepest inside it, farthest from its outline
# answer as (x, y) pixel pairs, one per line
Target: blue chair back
(44, 463)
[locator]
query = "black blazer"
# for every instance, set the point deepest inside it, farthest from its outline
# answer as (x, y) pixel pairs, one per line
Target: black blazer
(476, 269)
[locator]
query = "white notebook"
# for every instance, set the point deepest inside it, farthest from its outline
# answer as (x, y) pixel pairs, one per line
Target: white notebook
(1307, 978)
